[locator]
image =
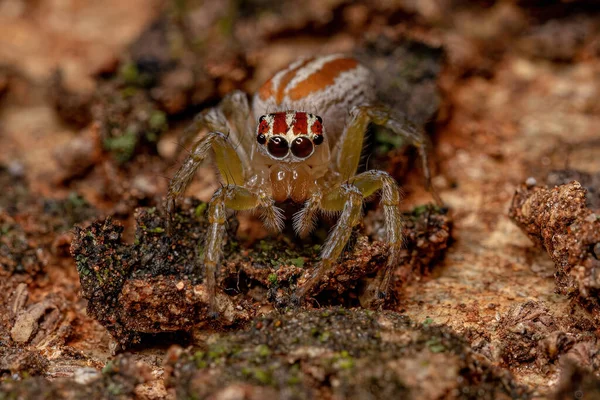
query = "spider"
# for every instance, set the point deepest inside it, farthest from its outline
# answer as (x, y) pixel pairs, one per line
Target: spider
(301, 141)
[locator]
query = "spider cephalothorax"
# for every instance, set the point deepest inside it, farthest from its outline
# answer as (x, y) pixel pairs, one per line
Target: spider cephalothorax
(278, 151)
(290, 135)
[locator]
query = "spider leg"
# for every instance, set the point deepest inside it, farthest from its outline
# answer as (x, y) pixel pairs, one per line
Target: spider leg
(349, 199)
(368, 183)
(232, 115)
(236, 198)
(353, 136)
(227, 161)
(211, 119)
(306, 218)
(236, 109)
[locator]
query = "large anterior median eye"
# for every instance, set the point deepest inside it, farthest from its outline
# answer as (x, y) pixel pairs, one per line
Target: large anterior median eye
(278, 147)
(302, 147)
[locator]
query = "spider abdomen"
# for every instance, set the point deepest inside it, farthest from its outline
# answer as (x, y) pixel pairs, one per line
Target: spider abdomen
(328, 86)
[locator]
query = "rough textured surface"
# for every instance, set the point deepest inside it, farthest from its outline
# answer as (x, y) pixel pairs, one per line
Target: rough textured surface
(337, 353)
(509, 91)
(155, 286)
(558, 220)
(119, 379)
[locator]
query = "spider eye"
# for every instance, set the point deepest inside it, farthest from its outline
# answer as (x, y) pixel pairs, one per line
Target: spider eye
(318, 140)
(261, 139)
(319, 119)
(278, 147)
(302, 147)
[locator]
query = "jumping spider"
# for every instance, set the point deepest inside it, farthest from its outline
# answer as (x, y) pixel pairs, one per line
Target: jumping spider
(305, 147)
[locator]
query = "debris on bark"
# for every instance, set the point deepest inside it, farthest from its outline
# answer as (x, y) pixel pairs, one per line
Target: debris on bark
(530, 334)
(120, 379)
(156, 284)
(558, 220)
(337, 353)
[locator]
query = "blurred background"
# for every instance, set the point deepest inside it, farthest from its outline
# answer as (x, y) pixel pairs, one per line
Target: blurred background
(94, 96)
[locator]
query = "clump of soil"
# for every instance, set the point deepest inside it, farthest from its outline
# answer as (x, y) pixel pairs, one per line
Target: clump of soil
(533, 335)
(119, 379)
(337, 353)
(559, 221)
(156, 284)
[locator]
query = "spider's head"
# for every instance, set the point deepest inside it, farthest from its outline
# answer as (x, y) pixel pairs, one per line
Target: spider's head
(289, 136)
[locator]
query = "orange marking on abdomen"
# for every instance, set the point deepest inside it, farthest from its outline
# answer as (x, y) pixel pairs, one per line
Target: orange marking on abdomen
(285, 79)
(321, 78)
(266, 90)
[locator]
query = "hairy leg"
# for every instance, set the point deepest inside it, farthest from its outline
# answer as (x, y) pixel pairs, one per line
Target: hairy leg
(354, 133)
(236, 198)
(305, 219)
(368, 183)
(232, 116)
(227, 160)
(348, 199)
(236, 109)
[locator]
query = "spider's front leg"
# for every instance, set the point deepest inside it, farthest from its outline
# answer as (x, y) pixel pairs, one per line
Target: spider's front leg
(360, 117)
(235, 198)
(368, 183)
(232, 196)
(227, 161)
(232, 115)
(349, 197)
(349, 200)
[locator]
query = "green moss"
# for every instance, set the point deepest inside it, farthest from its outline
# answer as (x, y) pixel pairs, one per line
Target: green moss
(263, 350)
(129, 92)
(129, 73)
(217, 351)
(4, 229)
(298, 262)
(76, 201)
(114, 389)
(350, 344)
(425, 208)
(272, 278)
(158, 120)
(108, 368)
(199, 359)
(265, 246)
(132, 76)
(344, 361)
(435, 345)
(323, 337)
(122, 147)
(263, 376)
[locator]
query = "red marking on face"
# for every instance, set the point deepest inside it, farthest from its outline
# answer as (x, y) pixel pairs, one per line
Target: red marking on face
(300, 124)
(280, 126)
(322, 78)
(263, 127)
(317, 128)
